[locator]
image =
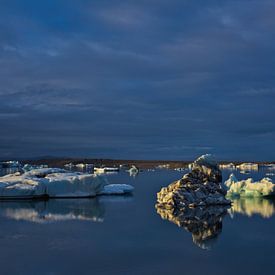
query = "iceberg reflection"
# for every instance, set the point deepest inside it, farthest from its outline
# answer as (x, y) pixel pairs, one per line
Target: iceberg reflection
(53, 210)
(253, 206)
(205, 223)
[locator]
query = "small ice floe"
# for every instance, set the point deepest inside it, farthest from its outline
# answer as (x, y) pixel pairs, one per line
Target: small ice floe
(80, 165)
(180, 169)
(52, 183)
(163, 166)
(248, 166)
(102, 170)
(69, 165)
(133, 171)
(227, 166)
(248, 188)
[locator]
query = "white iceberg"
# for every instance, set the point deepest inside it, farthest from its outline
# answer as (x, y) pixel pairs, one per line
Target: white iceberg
(133, 171)
(227, 166)
(56, 183)
(248, 166)
(249, 188)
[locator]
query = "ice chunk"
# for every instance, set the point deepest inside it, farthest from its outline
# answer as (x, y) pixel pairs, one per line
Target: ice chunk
(249, 188)
(133, 171)
(55, 182)
(248, 166)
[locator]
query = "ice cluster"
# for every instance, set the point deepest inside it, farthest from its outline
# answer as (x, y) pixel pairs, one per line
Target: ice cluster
(57, 183)
(249, 188)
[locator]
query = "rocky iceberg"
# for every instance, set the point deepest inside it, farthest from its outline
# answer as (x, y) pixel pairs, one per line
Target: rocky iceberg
(248, 188)
(196, 202)
(200, 187)
(56, 183)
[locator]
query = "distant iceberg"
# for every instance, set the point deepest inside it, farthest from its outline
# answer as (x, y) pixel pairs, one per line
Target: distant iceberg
(248, 188)
(248, 166)
(56, 183)
(133, 171)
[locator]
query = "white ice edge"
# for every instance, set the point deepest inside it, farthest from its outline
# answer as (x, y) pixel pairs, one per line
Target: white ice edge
(55, 182)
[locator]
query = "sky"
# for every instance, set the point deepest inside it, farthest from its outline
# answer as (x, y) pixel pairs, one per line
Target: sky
(147, 79)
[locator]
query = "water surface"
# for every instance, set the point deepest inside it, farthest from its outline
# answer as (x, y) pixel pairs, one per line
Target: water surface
(126, 235)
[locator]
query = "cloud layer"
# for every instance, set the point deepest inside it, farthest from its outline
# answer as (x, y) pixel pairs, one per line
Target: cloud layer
(137, 79)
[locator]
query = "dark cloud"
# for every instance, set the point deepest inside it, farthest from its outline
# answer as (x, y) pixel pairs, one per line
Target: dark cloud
(137, 79)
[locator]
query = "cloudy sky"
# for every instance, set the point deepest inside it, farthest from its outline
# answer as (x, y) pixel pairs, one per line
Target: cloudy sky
(147, 79)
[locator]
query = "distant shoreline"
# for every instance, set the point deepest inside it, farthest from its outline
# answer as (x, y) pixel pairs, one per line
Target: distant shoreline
(145, 164)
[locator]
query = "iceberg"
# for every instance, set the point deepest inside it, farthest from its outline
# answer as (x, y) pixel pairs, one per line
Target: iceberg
(133, 171)
(200, 187)
(248, 166)
(227, 166)
(196, 202)
(248, 188)
(56, 183)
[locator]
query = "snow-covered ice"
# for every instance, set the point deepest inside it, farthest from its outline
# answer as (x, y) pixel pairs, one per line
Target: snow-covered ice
(55, 182)
(249, 188)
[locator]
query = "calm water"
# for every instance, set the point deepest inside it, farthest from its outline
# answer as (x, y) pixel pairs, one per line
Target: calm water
(126, 235)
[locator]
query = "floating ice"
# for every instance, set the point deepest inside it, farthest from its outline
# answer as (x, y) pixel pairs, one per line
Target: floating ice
(55, 182)
(249, 188)
(133, 171)
(248, 166)
(200, 187)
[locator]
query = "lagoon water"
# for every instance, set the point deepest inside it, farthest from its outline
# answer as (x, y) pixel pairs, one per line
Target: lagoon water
(126, 235)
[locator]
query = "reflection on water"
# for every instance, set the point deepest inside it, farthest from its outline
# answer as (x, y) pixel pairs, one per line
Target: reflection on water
(205, 223)
(253, 206)
(53, 210)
